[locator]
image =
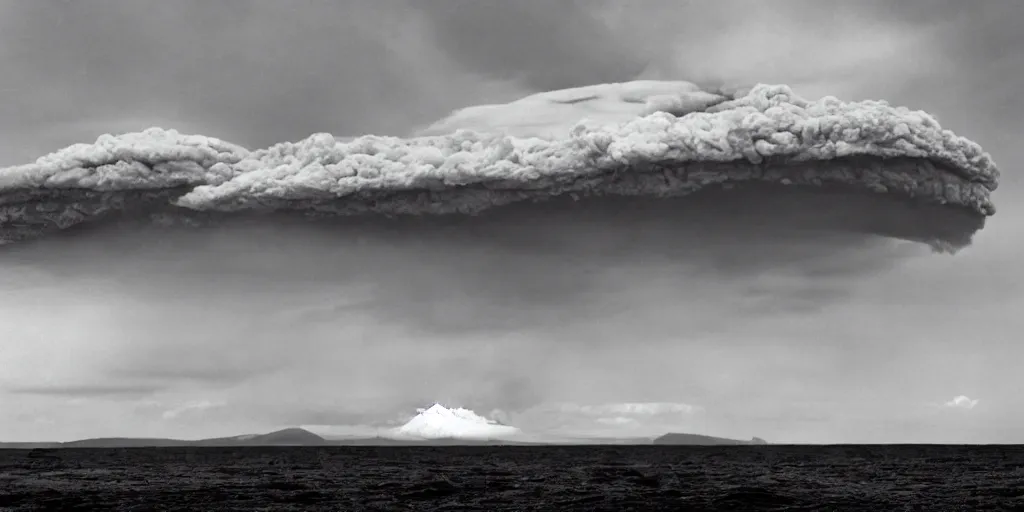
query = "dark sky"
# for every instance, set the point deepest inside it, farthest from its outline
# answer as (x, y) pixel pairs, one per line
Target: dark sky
(149, 341)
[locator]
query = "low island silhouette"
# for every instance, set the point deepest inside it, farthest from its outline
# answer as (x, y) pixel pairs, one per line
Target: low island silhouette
(303, 437)
(701, 440)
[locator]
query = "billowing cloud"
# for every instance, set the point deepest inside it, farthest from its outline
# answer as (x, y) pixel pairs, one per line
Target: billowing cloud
(961, 402)
(652, 139)
(440, 422)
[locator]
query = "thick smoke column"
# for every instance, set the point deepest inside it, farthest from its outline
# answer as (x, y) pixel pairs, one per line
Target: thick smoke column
(862, 167)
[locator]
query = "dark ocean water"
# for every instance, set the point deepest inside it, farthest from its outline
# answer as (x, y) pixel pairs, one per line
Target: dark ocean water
(591, 478)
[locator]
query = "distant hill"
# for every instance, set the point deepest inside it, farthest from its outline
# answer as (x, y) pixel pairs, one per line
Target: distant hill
(699, 440)
(286, 437)
(123, 442)
(302, 437)
(29, 446)
(448, 441)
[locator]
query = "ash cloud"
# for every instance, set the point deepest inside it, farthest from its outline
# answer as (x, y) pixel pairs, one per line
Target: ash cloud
(643, 139)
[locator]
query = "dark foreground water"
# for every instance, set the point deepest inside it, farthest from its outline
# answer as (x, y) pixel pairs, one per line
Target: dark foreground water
(605, 478)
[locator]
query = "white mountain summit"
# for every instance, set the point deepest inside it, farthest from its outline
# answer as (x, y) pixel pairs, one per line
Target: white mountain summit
(440, 422)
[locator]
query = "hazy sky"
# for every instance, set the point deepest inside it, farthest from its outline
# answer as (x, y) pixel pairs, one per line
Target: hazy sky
(247, 331)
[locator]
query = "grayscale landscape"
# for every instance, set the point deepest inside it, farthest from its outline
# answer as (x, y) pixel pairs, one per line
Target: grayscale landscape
(519, 255)
(302, 437)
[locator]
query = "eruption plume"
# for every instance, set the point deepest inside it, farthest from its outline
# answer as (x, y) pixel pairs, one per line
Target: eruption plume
(760, 159)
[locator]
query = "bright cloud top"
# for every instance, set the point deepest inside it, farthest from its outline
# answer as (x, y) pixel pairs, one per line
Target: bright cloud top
(645, 138)
(632, 408)
(961, 402)
(439, 422)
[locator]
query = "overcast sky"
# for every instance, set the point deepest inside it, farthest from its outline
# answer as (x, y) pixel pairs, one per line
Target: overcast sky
(248, 335)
